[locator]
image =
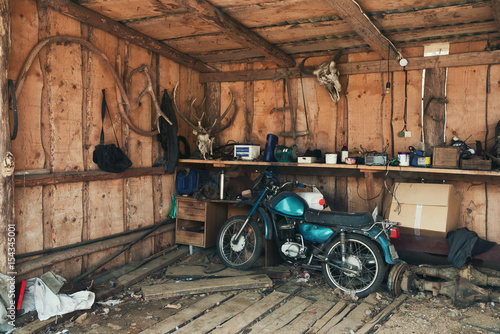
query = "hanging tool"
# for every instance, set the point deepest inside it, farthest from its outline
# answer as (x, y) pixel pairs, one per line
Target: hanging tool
(294, 133)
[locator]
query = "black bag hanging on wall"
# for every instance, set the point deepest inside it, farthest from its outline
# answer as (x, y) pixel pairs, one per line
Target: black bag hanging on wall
(109, 158)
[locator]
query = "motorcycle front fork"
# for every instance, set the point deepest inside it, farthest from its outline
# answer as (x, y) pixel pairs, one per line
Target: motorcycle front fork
(237, 237)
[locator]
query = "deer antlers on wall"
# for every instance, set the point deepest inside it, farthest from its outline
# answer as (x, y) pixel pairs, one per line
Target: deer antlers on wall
(149, 89)
(205, 134)
(125, 103)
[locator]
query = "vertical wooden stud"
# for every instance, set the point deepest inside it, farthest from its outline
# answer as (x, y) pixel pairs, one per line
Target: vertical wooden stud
(6, 156)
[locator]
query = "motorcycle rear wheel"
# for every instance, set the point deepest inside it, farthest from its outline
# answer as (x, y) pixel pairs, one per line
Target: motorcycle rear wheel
(246, 251)
(363, 256)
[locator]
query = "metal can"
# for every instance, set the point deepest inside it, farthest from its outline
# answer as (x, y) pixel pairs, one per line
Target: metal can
(404, 158)
(306, 275)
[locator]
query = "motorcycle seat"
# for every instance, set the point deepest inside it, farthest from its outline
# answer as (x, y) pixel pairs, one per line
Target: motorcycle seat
(335, 219)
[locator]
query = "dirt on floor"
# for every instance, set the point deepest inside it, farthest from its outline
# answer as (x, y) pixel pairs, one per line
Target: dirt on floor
(420, 312)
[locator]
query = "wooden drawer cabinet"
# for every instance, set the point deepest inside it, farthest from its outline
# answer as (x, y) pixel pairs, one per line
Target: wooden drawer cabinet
(198, 222)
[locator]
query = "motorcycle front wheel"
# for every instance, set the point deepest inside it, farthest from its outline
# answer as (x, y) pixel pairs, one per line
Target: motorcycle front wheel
(242, 253)
(363, 270)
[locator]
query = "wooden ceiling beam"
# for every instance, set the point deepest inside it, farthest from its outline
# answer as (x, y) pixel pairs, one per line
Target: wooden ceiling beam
(235, 30)
(119, 30)
(351, 12)
(495, 7)
(376, 66)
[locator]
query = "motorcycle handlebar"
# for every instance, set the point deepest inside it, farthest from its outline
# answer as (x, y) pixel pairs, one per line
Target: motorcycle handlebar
(293, 184)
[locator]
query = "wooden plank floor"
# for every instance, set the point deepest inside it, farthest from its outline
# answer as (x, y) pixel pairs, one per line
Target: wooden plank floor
(253, 311)
(247, 303)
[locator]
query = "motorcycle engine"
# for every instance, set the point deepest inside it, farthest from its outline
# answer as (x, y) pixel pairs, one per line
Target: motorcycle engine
(293, 243)
(286, 231)
(293, 249)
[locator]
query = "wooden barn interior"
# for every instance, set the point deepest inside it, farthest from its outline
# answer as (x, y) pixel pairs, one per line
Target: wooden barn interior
(412, 72)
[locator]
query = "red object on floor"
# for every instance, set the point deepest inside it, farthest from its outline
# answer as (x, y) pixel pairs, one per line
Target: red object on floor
(21, 295)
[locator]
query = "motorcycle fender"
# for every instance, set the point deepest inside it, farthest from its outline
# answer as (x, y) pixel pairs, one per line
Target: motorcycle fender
(268, 231)
(384, 242)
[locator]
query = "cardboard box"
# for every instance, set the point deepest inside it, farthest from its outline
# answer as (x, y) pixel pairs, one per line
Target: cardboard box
(423, 209)
(446, 157)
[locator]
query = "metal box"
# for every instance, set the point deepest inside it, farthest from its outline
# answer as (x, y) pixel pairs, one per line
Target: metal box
(306, 160)
(246, 151)
(376, 160)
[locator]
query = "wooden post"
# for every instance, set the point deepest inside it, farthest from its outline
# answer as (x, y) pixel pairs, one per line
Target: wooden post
(213, 107)
(6, 156)
(369, 184)
(434, 109)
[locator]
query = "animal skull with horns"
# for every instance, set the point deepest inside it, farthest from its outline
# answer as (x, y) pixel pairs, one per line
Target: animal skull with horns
(327, 76)
(205, 135)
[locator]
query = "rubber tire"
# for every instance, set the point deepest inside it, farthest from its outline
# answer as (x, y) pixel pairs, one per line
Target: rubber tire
(377, 279)
(224, 238)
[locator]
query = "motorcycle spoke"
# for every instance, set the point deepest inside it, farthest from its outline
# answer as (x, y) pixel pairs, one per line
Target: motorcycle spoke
(249, 244)
(358, 258)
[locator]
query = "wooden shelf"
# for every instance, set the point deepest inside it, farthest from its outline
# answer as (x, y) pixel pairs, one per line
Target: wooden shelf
(349, 170)
(31, 180)
(322, 169)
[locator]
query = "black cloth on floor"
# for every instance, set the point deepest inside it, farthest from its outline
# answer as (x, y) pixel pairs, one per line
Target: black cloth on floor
(464, 244)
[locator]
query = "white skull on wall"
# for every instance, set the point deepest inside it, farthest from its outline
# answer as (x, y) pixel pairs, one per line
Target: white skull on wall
(204, 143)
(328, 77)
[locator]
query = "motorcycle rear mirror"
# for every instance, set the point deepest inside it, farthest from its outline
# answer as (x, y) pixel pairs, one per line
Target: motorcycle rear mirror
(375, 213)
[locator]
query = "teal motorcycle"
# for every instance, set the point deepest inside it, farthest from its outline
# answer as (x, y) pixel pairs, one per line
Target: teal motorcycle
(351, 249)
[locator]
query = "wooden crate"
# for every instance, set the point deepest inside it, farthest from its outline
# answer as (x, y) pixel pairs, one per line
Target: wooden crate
(476, 164)
(446, 157)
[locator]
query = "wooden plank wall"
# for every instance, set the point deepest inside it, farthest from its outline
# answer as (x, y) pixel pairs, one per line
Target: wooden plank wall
(59, 126)
(366, 116)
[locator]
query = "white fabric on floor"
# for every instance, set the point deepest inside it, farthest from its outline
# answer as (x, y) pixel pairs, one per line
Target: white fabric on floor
(49, 304)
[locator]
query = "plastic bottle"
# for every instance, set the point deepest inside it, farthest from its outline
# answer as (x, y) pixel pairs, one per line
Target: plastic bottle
(344, 153)
(221, 184)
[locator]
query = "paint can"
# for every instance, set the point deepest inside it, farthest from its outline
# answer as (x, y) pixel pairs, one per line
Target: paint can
(404, 158)
(331, 158)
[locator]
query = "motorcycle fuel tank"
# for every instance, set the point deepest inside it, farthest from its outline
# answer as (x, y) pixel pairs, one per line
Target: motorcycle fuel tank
(315, 233)
(288, 204)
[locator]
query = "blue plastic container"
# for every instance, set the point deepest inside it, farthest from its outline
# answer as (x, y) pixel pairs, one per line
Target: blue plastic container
(271, 142)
